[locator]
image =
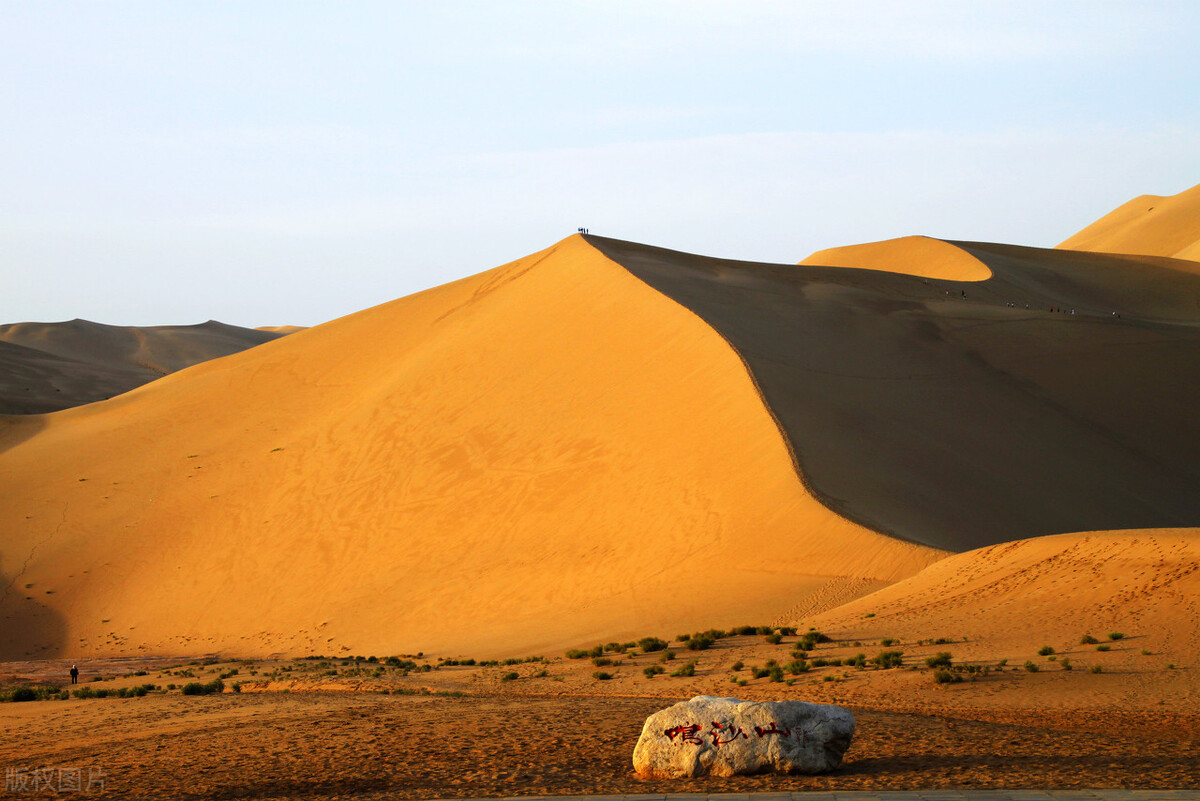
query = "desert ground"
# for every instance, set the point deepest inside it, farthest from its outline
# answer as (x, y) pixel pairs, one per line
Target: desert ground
(462, 543)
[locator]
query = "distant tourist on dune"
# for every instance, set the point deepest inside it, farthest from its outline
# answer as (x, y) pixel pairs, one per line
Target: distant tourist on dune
(74, 674)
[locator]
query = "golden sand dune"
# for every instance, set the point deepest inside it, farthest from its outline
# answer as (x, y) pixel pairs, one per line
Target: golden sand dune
(1056, 396)
(1149, 225)
(1014, 598)
(281, 329)
(914, 255)
(546, 454)
(46, 367)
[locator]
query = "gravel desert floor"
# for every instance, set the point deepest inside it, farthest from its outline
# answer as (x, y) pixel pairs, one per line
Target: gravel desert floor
(353, 729)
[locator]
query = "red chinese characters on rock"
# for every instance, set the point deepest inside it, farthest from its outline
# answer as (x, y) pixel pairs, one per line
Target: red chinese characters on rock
(724, 735)
(686, 734)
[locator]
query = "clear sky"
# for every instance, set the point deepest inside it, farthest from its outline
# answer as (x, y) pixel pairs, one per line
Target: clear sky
(266, 163)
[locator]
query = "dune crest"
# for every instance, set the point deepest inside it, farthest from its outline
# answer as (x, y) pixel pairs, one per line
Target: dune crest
(1150, 225)
(921, 256)
(532, 458)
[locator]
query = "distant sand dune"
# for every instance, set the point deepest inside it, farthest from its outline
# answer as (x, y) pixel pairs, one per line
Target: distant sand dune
(914, 255)
(46, 367)
(1149, 225)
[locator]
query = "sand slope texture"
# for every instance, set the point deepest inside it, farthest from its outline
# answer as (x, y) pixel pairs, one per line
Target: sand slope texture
(45, 367)
(536, 457)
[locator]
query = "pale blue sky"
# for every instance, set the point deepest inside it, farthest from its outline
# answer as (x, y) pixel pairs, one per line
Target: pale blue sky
(290, 162)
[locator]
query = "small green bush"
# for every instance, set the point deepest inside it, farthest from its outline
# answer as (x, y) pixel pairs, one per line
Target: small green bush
(776, 673)
(667, 655)
(600, 675)
(701, 642)
(1088, 639)
(943, 676)
(1103, 647)
(649, 644)
(575, 653)
(1115, 635)
(736, 666)
(1145, 652)
(1065, 662)
(942, 659)
(1045, 650)
(20, 694)
(775, 639)
(1031, 667)
(886, 660)
(687, 669)
(1097, 669)
(512, 675)
(796, 667)
(886, 641)
(601, 661)
(652, 671)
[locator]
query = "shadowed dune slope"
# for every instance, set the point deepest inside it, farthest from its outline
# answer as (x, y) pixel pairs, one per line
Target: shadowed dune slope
(913, 255)
(1149, 225)
(935, 411)
(45, 367)
(1016, 597)
(537, 457)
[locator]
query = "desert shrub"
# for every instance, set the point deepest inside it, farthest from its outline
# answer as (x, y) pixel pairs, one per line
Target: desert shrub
(20, 694)
(943, 676)
(652, 671)
(510, 676)
(236, 687)
(1031, 667)
(1065, 662)
(1088, 639)
(759, 673)
(941, 659)
(687, 669)
(1097, 669)
(859, 661)
(796, 667)
(799, 653)
(775, 639)
(776, 673)
(869, 614)
(1103, 647)
(193, 688)
(1145, 652)
(888, 659)
(601, 661)
(1116, 635)
(763, 631)
(1170, 666)
(1002, 662)
(614, 648)
(667, 656)
(196, 688)
(600, 675)
(649, 644)
(575, 653)
(701, 642)
(1045, 650)
(787, 631)
(736, 666)
(682, 637)
(886, 641)
(820, 662)
(713, 634)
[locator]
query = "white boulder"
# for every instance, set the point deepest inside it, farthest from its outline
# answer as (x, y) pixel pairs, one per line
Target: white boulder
(728, 737)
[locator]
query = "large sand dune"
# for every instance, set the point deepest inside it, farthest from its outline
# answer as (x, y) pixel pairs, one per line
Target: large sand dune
(964, 414)
(45, 367)
(541, 455)
(1149, 225)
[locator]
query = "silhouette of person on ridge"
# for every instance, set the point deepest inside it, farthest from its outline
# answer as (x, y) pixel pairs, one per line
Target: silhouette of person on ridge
(74, 674)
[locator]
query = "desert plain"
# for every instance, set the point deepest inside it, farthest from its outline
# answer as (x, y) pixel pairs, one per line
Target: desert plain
(461, 544)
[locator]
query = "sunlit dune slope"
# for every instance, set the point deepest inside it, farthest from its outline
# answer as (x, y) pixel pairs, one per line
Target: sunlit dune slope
(1148, 225)
(964, 414)
(540, 456)
(53, 366)
(914, 255)
(1010, 600)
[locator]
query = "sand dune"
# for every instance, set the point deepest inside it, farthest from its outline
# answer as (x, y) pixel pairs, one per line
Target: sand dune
(1149, 225)
(541, 455)
(53, 366)
(964, 414)
(913, 255)
(1009, 600)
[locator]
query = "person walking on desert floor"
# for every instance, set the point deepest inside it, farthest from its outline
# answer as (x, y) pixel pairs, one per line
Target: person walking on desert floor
(74, 674)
